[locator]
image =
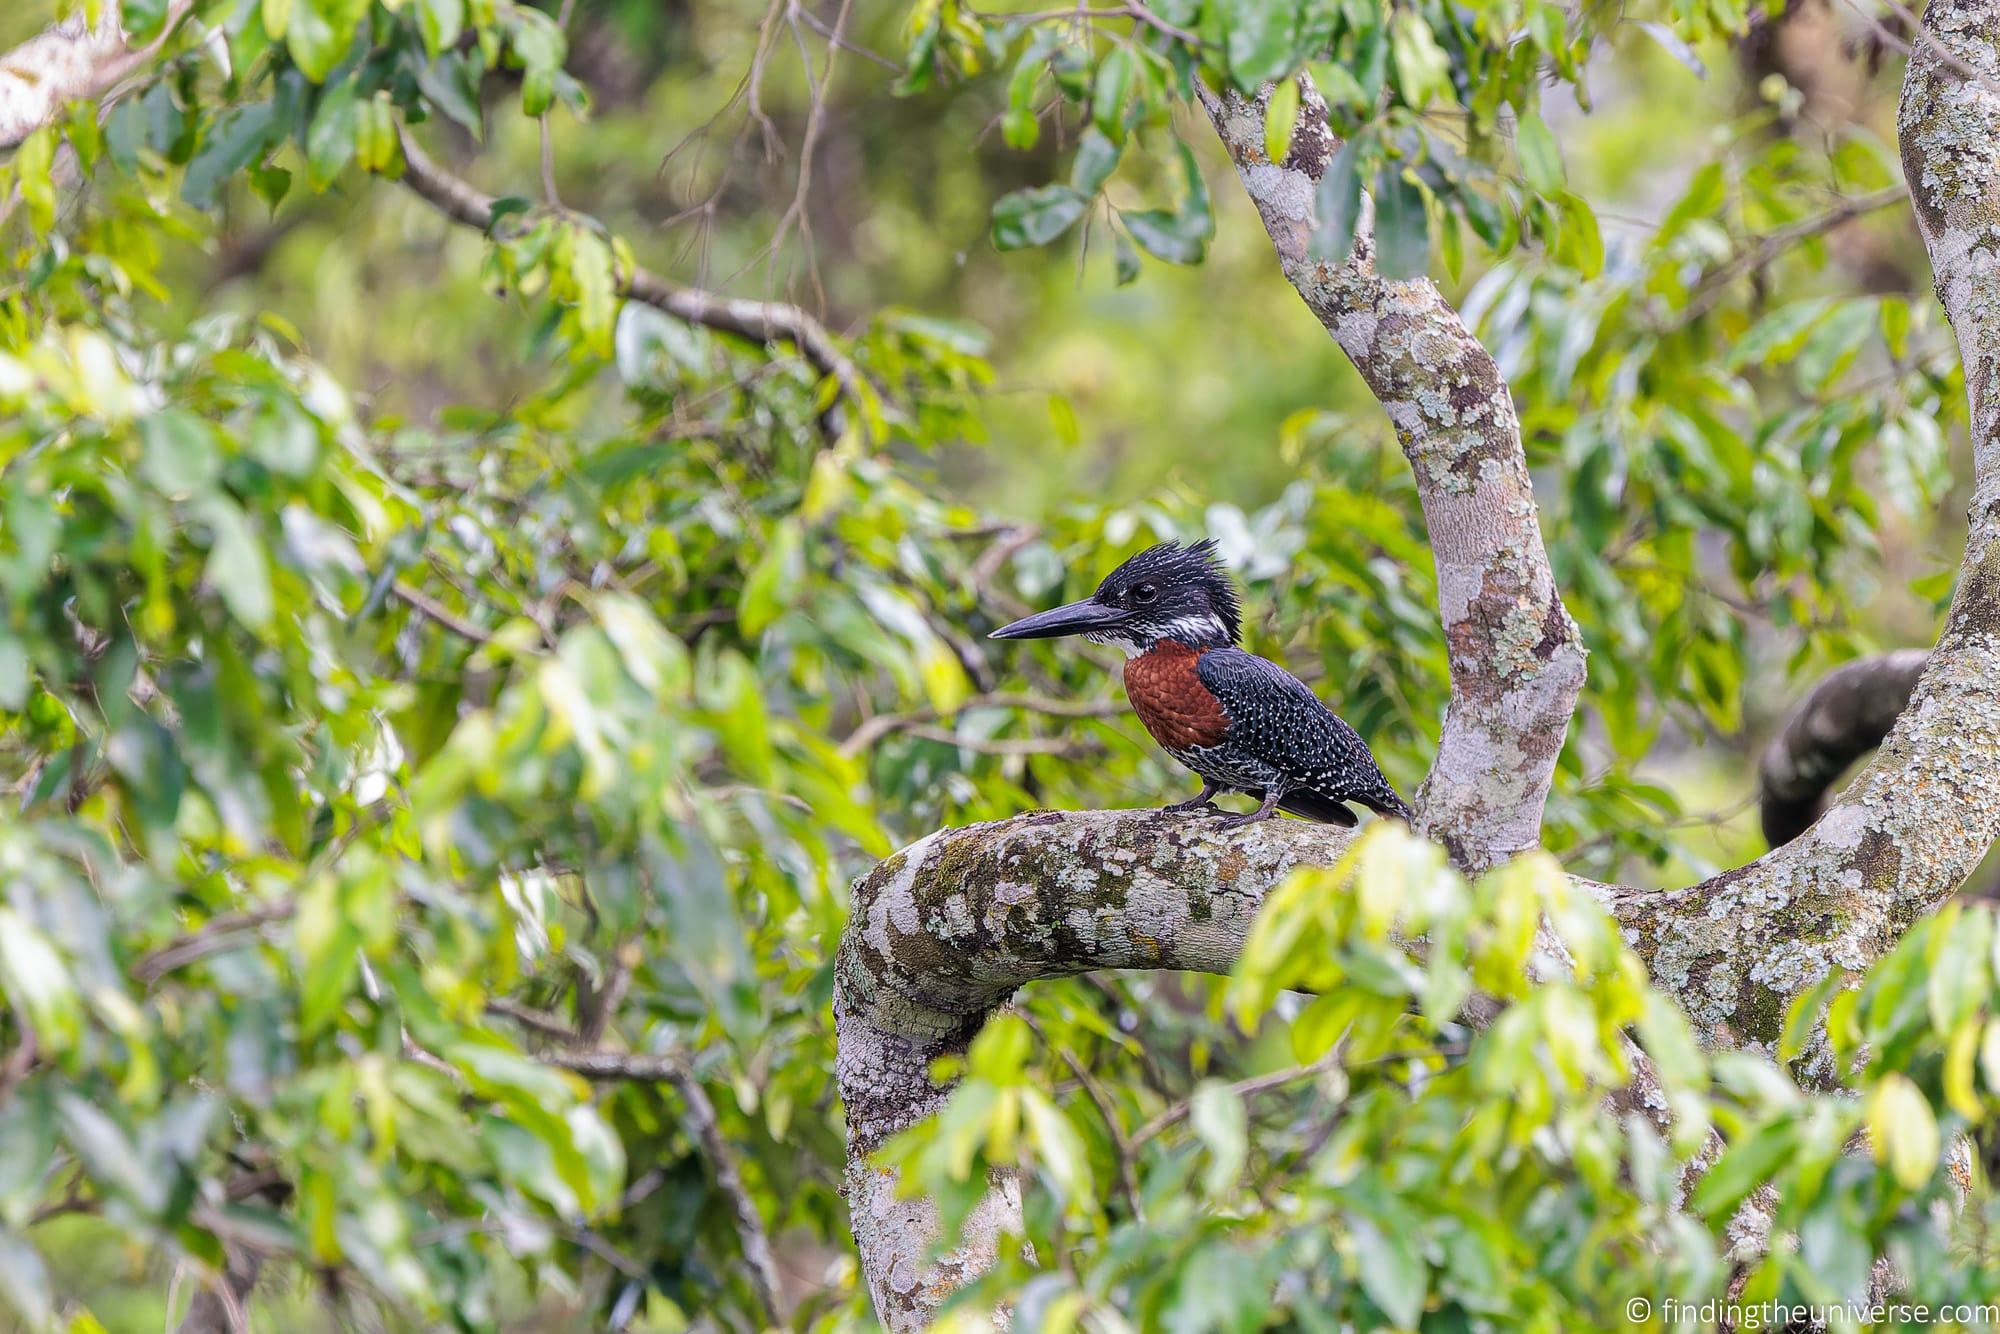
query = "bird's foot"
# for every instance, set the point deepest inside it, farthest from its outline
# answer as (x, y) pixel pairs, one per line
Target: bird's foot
(1191, 806)
(1238, 821)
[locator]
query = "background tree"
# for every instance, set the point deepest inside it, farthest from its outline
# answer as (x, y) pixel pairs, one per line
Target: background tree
(462, 628)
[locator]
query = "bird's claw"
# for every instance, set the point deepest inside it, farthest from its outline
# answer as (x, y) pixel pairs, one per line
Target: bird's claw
(1188, 808)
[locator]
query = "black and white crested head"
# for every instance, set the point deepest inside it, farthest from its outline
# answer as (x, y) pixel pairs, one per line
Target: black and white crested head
(1168, 591)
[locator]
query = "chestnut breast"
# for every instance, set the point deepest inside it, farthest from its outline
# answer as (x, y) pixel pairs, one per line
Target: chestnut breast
(1167, 694)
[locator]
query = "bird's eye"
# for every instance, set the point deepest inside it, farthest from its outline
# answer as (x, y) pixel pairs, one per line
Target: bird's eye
(1146, 593)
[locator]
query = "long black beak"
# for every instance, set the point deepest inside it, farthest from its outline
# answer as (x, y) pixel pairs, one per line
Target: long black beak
(1075, 619)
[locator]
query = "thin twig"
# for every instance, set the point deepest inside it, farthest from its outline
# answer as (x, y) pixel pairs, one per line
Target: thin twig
(1770, 245)
(431, 609)
(218, 935)
(1242, 1088)
(998, 746)
(916, 720)
(702, 1124)
(760, 321)
(540, 1021)
(1121, 1143)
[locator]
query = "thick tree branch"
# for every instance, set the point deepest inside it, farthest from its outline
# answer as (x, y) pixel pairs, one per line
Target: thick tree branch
(942, 933)
(1916, 821)
(1516, 658)
(1843, 718)
(946, 930)
(69, 61)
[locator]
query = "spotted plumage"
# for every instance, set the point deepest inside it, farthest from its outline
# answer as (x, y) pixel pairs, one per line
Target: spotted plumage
(1242, 723)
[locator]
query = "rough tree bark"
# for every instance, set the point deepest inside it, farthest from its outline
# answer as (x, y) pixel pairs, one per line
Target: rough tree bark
(943, 932)
(1516, 658)
(70, 60)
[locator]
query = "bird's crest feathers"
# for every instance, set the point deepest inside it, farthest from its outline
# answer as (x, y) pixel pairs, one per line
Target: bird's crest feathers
(1175, 563)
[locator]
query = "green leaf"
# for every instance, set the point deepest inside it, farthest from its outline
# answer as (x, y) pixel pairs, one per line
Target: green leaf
(376, 146)
(1959, 977)
(330, 955)
(1746, 1165)
(1583, 247)
(182, 457)
(24, 1280)
(1021, 127)
(1390, 1271)
(1902, 1132)
(1036, 217)
(775, 582)
(538, 44)
(237, 138)
(1164, 235)
(33, 161)
(1541, 160)
(1108, 95)
(237, 568)
(319, 34)
(1402, 230)
(330, 139)
(270, 184)
(1124, 258)
(144, 19)
(1218, 1118)
(1703, 198)
(451, 85)
(1423, 71)
(1281, 116)
(15, 673)
(1180, 237)
(37, 983)
(1802, 1017)
(1096, 158)
(440, 21)
(1058, 1147)
(1261, 45)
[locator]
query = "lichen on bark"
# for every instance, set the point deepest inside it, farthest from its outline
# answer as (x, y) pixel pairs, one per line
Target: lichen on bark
(943, 933)
(1516, 659)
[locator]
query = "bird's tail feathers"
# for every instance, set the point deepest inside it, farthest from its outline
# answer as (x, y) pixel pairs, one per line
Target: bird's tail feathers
(1305, 802)
(1385, 801)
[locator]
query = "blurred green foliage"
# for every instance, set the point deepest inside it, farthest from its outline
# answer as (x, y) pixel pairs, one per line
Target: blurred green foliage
(400, 633)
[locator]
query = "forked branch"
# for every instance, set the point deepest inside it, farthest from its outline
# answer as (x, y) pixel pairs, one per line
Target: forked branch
(943, 932)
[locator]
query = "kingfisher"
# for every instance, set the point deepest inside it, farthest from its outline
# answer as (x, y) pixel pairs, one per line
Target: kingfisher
(1241, 722)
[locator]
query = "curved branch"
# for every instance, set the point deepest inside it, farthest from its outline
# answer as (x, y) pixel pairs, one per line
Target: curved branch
(944, 932)
(72, 60)
(69, 61)
(874, 729)
(1737, 949)
(1516, 657)
(1841, 719)
(760, 321)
